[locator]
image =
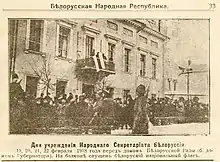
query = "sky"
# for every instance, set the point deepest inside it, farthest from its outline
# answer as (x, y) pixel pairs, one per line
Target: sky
(191, 41)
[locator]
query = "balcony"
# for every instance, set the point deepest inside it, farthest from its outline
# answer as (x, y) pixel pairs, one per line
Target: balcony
(88, 65)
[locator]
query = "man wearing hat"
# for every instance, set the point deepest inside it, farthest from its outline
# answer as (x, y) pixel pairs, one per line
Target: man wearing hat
(16, 91)
(17, 113)
(106, 111)
(141, 120)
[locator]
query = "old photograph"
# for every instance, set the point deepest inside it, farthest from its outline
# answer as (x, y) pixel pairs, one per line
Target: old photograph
(109, 76)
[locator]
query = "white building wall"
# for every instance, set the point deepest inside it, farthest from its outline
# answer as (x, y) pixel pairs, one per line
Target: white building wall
(64, 69)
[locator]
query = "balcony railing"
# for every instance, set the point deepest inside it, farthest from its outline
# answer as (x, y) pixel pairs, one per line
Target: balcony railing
(88, 63)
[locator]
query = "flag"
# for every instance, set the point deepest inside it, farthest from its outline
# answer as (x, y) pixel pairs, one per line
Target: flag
(96, 62)
(101, 59)
(182, 70)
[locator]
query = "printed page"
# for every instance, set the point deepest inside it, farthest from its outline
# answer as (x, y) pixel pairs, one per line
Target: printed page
(109, 81)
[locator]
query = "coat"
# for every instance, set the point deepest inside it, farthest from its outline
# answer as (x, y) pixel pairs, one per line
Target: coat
(106, 112)
(141, 120)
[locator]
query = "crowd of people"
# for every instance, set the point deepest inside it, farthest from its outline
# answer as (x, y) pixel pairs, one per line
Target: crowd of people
(100, 110)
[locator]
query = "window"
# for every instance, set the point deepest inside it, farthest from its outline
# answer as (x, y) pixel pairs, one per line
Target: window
(154, 68)
(143, 65)
(143, 39)
(112, 25)
(60, 88)
(90, 46)
(127, 59)
(35, 37)
(111, 51)
(154, 44)
(125, 94)
(31, 86)
(128, 32)
(64, 36)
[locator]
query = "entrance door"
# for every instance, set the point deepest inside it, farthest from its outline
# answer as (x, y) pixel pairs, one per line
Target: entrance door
(60, 88)
(88, 90)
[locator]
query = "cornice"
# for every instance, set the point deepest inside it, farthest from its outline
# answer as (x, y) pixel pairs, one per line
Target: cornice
(70, 22)
(143, 49)
(128, 43)
(154, 54)
(147, 29)
(91, 29)
(112, 37)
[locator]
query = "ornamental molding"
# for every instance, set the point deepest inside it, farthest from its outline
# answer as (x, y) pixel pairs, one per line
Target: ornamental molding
(91, 29)
(128, 43)
(145, 28)
(108, 36)
(67, 21)
(153, 54)
(143, 49)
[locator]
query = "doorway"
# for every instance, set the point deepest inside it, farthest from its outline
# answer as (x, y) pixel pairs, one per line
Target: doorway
(88, 89)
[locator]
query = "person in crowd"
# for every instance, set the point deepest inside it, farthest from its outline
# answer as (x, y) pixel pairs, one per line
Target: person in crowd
(70, 97)
(81, 110)
(195, 108)
(64, 98)
(17, 110)
(39, 104)
(130, 111)
(124, 115)
(71, 112)
(140, 124)
(40, 99)
(76, 99)
(105, 111)
(118, 112)
(48, 100)
(98, 100)
(95, 117)
(181, 107)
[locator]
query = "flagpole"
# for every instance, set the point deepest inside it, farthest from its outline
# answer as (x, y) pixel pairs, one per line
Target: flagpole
(187, 85)
(187, 81)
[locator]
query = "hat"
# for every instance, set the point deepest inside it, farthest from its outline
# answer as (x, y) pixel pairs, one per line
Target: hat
(14, 76)
(195, 98)
(141, 89)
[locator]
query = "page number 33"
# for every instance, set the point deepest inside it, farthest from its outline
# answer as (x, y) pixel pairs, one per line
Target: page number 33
(212, 5)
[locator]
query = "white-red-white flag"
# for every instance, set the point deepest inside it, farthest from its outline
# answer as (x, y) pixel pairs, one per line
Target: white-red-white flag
(96, 63)
(101, 59)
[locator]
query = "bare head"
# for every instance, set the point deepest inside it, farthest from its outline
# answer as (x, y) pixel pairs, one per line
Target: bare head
(14, 77)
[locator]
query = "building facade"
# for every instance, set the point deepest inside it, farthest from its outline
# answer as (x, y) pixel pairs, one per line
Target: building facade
(78, 56)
